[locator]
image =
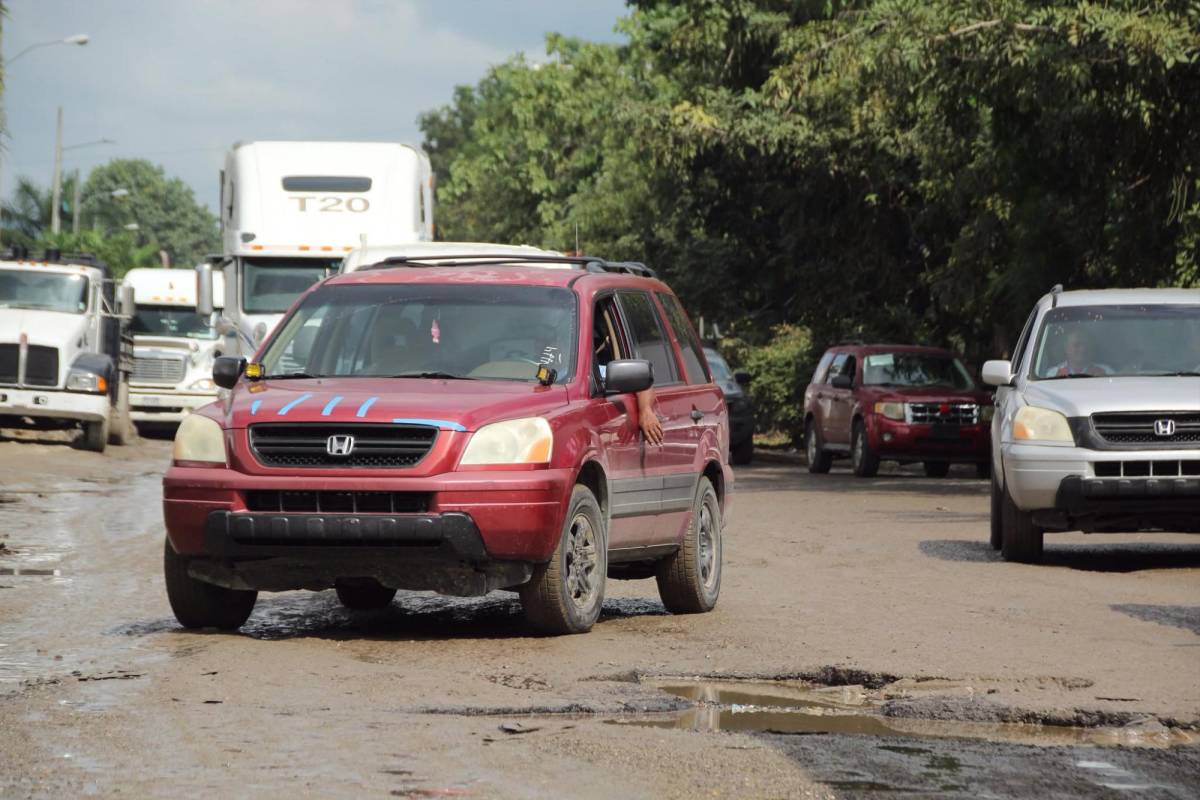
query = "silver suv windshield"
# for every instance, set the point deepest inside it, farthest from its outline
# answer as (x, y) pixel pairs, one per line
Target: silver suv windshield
(427, 331)
(43, 291)
(1117, 341)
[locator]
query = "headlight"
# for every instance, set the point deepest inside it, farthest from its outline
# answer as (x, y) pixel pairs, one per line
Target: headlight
(516, 441)
(986, 413)
(199, 438)
(890, 410)
(202, 385)
(79, 380)
(1041, 425)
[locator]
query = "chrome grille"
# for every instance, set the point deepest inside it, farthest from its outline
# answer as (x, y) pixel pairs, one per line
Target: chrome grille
(1138, 428)
(149, 369)
(942, 413)
(307, 445)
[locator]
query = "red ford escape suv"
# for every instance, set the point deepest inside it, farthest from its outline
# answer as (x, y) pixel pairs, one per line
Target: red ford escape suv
(459, 426)
(897, 403)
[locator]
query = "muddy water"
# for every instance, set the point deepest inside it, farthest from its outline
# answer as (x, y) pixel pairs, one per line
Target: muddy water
(799, 708)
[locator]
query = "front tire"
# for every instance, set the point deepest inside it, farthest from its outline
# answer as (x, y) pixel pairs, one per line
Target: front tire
(198, 604)
(997, 515)
(689, 581)
(819, 460)
(937, 469)
(95, 436)
(362, 594)
(1021, 539)
(565, 595)
(864, 459)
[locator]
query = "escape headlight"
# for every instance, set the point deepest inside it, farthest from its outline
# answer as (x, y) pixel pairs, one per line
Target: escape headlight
(1041, 425)
(514, 441)
(82, 380)
(890, 410)
(199, 438)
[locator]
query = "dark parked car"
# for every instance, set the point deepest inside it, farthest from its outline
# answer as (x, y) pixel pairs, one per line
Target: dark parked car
(895, 403)
(736, 386)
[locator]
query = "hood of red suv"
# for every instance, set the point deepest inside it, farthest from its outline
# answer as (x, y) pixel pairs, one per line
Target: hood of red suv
(449, 404)
(925, 394)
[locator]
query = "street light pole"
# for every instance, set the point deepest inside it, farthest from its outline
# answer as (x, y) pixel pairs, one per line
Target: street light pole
(56, 191)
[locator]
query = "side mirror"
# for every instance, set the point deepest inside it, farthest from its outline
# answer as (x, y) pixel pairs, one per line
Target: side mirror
(742, 378)
(125, 303)
(842, 382)
(204, 289)
(997, 373)
(628, 376)
(227, 370)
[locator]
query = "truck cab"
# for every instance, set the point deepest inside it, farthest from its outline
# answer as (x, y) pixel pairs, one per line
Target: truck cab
(290, 211)
(66, 352)
(174, 346)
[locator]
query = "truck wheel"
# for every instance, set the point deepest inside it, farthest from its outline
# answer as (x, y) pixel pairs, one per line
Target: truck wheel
(997, 518)
(95, 436)
(1020, 539)
(937, 469)
(689, 581)
(203, 605)
(819, 460)
(360, 594)
(121, 431)
(743, 452)
(864, 459)
(565, 595)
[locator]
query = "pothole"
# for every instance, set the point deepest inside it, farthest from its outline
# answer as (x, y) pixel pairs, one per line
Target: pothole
(800, 708)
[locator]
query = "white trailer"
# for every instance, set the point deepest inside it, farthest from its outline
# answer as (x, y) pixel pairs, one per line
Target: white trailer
(291, 210)
(65, 347)
(174, 345)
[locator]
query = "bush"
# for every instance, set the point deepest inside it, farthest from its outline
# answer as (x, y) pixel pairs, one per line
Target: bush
(780, 370)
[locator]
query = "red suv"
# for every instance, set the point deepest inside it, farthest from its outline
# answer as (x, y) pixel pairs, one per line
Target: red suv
(895, 403)
(459, 426)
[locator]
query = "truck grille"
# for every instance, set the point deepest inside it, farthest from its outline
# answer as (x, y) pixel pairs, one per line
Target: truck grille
(337, 502)
(307, 445)
(41, 365)
(148, 369)
(1139, 428)
(9, 358)
(943, 413)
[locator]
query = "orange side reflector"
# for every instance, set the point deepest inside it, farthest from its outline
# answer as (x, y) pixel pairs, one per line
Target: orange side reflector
(256, 247)
(304, 248)
(101, 384)
(325, 248)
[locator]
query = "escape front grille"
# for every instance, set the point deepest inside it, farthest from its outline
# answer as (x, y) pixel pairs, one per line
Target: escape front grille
(943, 413)
(306, 445)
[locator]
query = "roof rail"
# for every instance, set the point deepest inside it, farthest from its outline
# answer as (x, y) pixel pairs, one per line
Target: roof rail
(1055, 291)
(587, 263)
(848, 342)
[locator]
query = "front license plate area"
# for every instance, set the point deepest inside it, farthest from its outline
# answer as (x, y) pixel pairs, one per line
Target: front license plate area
(947, 433)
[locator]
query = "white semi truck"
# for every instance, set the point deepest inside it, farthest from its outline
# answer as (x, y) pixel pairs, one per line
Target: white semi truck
(291, 210)
(174, 346)
(66, 351)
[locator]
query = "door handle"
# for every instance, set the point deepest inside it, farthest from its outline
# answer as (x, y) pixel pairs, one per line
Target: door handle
(697, 415)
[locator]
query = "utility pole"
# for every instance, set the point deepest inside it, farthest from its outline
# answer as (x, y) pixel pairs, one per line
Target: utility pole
(75, 204)
(56, 193)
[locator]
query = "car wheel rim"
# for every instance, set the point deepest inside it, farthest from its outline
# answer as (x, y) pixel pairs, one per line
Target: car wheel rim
(709, 537)
(581, 556)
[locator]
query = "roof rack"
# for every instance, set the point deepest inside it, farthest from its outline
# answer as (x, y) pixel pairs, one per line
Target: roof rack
(589, 264)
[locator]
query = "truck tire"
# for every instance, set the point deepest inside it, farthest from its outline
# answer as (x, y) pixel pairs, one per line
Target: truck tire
(203, 605)
(863, 458)
(566, 594)
(1020, 538)
(819, 459)
(361, 594)
(742, 452)
(997, 515)
(689, 581)
(121, 430)
(937, 469)
(95, 436)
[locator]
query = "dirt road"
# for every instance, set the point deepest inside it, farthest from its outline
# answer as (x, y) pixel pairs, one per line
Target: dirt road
(871, 615)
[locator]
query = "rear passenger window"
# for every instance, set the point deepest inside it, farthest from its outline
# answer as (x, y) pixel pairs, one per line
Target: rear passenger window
(649, 340)
(694, 362)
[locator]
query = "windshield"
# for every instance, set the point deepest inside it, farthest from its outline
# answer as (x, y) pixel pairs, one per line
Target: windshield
(463, 331)
(1117, 341)
(171, 321)
(44, 291)
(271, 285)
(915, 370)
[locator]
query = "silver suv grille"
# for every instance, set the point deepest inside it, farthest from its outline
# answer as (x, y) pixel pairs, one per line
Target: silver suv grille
(943, 413)
(158, 370)
(1148, 428)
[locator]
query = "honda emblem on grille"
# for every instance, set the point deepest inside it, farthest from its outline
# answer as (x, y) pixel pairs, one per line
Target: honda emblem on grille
(339, 445)
(1164, 427)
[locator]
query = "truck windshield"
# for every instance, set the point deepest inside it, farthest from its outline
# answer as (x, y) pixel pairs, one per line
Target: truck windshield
(171, 321)
(271, 285)
(428, 331)
(44, 291)
(915, 370)
(1118, 341)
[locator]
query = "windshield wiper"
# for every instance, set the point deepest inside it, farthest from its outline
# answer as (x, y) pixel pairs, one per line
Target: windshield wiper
(1181, 374)
(1072, 375)
(433, 374)
(284, 375)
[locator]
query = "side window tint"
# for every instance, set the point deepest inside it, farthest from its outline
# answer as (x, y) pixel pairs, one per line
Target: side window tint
(849, 367)
(1019, 351)
(835, 369)
(819, 373)
(694, 362)
(649, 340)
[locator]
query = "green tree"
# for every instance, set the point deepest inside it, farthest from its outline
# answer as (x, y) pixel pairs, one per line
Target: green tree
(25, 216)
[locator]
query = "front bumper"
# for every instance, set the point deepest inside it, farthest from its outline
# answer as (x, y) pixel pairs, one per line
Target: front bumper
(53, 404)
(148, 405)
(959, 443)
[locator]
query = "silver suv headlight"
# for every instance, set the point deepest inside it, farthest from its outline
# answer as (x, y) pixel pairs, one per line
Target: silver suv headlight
(1034, 424)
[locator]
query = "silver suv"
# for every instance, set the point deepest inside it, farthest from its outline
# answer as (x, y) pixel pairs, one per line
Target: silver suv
(1097, 424)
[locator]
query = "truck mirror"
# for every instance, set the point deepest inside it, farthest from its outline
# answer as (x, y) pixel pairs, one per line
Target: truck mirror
(227, 370)
(204, 289)
(628, 375)
(126, 302)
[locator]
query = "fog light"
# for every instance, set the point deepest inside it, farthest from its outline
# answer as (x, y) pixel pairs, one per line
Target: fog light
(887, 437)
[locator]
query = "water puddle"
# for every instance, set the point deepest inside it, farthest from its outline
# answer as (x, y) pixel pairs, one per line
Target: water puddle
(799, 708)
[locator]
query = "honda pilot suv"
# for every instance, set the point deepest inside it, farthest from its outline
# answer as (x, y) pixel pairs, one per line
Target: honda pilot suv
(460, 426)
(1097, 424)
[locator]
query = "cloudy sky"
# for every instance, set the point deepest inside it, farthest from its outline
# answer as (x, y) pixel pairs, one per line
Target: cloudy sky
(178, 81)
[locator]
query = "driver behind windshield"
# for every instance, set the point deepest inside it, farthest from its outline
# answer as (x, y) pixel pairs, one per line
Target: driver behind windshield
(1079, 358)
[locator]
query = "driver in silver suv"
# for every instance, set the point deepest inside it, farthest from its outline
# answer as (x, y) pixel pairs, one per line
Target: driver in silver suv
(1097, 423)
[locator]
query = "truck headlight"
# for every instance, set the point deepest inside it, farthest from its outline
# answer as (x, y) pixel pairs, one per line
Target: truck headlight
(202, 385)
(515, 441)
(199, 438)
(890, 410)
(82, 380)
(1041, 425)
